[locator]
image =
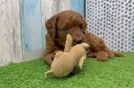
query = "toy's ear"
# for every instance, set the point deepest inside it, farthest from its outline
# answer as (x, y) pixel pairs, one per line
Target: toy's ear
(51, 26)
(69, 37)
(68, 44)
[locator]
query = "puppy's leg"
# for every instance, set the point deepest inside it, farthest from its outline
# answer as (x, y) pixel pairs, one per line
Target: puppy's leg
(110, 54)
(81, 62)
(101, 55)
(118, 54)
(49, 59)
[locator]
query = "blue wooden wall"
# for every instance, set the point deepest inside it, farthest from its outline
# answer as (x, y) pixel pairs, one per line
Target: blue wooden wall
(26, 20)
(31, 21)
(32, 35)
(32, 32)
(78, 5)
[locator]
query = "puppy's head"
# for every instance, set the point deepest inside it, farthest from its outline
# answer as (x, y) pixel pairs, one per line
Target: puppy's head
(66, 22)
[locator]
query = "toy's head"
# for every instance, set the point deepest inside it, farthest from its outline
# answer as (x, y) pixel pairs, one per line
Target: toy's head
(69, 38)
(68, 43)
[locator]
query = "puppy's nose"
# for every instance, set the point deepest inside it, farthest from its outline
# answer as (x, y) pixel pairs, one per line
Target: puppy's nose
(78, 41)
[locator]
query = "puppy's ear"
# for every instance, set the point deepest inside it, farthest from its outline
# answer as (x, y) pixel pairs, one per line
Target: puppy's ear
(85, 24)
(51, 26)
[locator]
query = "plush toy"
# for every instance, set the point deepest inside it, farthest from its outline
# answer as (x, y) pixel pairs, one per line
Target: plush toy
(65, 62)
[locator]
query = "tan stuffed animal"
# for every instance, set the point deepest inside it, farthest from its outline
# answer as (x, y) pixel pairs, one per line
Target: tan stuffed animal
(65, 62)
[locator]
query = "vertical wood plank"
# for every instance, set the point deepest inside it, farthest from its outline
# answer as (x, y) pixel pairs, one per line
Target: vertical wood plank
(10, 38)
(78, 5)
(31, 25)
(48, 9)
(64, 5)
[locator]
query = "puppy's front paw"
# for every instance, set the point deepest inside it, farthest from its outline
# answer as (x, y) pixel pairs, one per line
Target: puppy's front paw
(101, 56)
(49, 59)
(110, 54)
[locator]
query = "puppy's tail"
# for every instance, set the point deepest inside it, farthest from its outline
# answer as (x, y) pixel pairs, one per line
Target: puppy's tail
(68, 43)
(84, 45)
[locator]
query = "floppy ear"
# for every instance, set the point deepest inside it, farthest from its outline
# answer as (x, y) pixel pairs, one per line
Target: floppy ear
(51, 26)
(85, 24)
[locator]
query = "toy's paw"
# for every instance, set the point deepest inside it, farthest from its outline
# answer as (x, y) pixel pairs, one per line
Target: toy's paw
(101, 56)
(48, 74)
(45, 75)
(81, 67)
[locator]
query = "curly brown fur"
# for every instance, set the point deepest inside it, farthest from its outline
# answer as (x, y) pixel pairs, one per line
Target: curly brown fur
(72, 22)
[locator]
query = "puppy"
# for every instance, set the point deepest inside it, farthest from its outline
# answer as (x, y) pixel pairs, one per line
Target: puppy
(71, 22)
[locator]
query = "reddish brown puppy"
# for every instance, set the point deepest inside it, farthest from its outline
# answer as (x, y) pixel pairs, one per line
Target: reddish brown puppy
(72, 22)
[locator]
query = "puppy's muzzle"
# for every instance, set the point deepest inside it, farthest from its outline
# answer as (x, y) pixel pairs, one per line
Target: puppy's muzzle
(77, 41)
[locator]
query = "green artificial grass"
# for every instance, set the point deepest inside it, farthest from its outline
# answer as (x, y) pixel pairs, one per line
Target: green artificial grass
(114, 73)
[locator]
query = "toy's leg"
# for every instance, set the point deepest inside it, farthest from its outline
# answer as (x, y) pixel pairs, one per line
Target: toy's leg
(48, 74)
(81, 62)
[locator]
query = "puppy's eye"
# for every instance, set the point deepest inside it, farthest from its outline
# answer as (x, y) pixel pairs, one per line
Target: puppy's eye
(82, 26)
(66, 30)
(101, 42)
(82, 30)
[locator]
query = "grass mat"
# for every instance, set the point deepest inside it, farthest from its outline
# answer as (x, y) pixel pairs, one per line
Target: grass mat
(114, 73)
